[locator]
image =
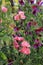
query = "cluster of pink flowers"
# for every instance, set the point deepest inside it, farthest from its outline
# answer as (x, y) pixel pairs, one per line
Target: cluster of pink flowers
(19, 16)
(4, 9)
(23, 47)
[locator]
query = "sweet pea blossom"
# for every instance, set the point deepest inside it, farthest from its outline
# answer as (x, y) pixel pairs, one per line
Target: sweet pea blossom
(16, 45)
(25, 50)
(19, 16)
(4, 9)
(21, 13)
(22, 16)
(19, 38)
(25, 44)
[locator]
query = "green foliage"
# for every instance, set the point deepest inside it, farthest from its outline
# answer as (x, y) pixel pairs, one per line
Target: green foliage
(7, 50)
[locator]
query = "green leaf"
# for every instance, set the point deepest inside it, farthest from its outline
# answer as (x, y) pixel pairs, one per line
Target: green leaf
(3, 56)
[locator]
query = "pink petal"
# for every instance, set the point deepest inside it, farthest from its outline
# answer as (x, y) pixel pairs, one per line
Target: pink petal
(21, 13)
(4, 9)
(25, 50)
(19, 38)
(17, 17)
(22, 16)
(25, 44)
(16, 45)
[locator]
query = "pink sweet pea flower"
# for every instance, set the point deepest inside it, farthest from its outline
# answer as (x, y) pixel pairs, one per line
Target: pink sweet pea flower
(21, 14)
(4, 9)
(25, 50)
(17, 17)
(25, 44)
(16, 45)
(19, 38)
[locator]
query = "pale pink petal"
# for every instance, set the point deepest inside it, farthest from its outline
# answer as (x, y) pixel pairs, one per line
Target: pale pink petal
(19, 38)
(4, 9)
(25, 44)
(21, 13)
(22, 16)
(25, 50)
(17, 17)
(16, 45)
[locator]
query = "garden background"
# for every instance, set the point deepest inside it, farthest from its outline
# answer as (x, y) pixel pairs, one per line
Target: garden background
(21, 32)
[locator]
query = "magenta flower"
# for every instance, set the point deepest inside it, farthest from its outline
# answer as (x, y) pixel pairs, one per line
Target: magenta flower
(21, 2)
(38, 30)
(21, 14)
(10, 61)
(16, 29)
(35, 9)
(28, 25)
(37, 43)
(26, 32)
